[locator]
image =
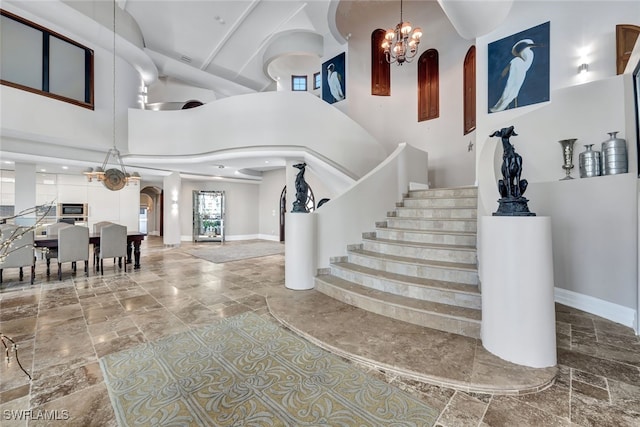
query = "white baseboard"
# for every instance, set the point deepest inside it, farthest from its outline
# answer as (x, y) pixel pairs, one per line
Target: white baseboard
(269, 237)
(614, 312)
(228, 238)
(241, 237)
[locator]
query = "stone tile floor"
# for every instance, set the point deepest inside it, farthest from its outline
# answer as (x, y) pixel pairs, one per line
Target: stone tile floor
(62, 328)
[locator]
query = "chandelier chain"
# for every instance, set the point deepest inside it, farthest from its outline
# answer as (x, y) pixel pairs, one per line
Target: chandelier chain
(113, 179)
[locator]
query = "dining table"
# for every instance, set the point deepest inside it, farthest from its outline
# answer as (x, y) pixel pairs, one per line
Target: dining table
(134, 238)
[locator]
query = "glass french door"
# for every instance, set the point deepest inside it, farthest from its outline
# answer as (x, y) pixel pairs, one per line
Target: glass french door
(208, 216)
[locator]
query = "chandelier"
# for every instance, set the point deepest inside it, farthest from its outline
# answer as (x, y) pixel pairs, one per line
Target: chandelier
(114, 178)
(401, 44)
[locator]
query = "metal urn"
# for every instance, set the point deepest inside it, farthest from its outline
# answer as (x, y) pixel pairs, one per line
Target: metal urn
(589, 162)
(567, 154)
(614, 155)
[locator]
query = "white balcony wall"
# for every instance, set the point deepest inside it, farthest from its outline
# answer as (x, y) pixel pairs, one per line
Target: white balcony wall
(272, 120)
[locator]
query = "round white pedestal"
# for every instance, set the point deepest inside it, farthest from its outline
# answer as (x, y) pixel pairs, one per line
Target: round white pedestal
(518, 310)
(299, 251)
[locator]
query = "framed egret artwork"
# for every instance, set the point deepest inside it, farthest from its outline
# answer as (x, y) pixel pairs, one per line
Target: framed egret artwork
(333, 79)
(518, 69)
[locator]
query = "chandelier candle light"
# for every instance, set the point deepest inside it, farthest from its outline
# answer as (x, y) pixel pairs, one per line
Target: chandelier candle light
(401, 44)
(114, 179)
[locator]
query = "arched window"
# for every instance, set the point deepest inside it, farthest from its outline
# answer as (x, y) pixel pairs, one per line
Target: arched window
(428, 86)
(380, 68)
(469, 84)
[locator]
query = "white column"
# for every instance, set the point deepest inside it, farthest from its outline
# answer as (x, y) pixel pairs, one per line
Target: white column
(518, 310)
(299, 250)
(172, 185)
(300, 238)
(25, 191)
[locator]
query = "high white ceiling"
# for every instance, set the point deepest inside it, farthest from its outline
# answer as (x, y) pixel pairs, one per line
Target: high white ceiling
(224, 38)
(232, 47)
(218, 45)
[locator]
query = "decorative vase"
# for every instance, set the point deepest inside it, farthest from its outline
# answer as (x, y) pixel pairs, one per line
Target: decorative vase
(589, 162)
(614, 155)
(567, 154)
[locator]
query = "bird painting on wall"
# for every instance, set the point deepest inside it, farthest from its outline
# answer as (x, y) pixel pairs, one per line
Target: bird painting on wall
(334, 85)
(334, 80)
(518, 69)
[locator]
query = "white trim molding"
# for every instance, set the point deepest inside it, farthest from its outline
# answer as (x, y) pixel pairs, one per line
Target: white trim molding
(614, 312)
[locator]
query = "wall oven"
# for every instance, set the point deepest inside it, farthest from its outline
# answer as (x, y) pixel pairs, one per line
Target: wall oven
(73, 211)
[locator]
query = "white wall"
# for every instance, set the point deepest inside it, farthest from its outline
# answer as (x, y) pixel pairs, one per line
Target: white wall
(394, 118)
(595, 260)
(573, 26)
(167, 89)
(342, 221)
(174, 210)
(241, 206)
(120, 206)
(270, 190)
(269, 204)
(278, 120)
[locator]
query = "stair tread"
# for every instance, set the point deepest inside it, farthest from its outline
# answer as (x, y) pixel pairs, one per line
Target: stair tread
(443, 264)
(414, 218)
(421, 244)
(417, 281)
(449, 196)
(435, 208)
(429, 231)
(445, 310)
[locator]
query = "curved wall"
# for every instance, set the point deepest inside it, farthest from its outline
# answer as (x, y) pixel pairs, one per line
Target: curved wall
(273, 119)
(342, 220)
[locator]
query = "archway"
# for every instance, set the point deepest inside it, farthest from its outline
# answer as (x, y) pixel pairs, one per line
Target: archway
(151, 210)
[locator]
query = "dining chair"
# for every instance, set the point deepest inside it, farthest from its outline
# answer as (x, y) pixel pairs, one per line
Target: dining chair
(52, 231)
(19, 253)
(113, 244)
(73, 246)
(96, 230)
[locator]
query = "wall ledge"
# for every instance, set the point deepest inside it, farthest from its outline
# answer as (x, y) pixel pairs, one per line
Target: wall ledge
(614, 312)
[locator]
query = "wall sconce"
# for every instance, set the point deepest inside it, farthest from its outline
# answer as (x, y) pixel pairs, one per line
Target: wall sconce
(583, 68)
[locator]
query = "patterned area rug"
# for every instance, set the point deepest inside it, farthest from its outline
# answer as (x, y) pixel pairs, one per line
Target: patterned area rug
(245, 370)
(224, 253)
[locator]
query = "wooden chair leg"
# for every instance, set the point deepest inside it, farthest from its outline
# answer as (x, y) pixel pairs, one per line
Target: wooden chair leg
(0, 275)
(102, 266)
(21, 274)
(59, 271)
(86, 267)
(48, 266)
(73, 265)
(33, 273)
(125, 265)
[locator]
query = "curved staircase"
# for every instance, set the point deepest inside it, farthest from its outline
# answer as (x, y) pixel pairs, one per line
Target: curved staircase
(418, 266)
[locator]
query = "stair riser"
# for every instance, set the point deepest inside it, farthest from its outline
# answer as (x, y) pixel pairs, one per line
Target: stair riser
(435, 254)
(433, 224)
(443, 296)
(422, 271)
(421, 237)
(444, 192)
(466, 202)
(466, 213)
(414, 316)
